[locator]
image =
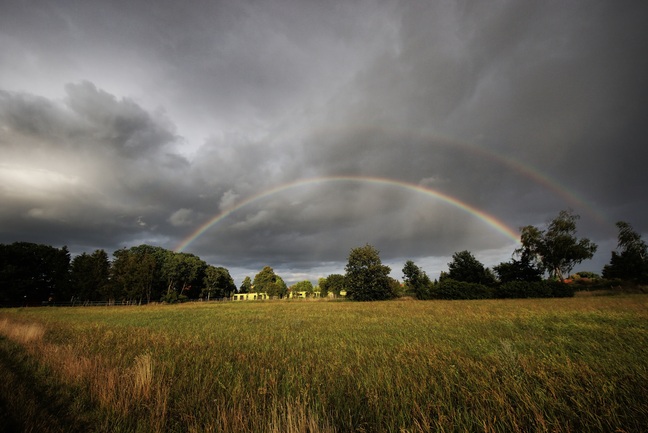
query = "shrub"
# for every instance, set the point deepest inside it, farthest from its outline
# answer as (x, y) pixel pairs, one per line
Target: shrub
(559, 289)
(173, 298)
(586, 274)
(534, 289)
(452, 289)
(513, 289)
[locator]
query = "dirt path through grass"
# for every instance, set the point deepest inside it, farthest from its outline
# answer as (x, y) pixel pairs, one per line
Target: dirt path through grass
(27, 403)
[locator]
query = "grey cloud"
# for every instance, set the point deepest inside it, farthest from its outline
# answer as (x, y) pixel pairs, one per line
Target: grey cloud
(123, 124)
(90, 162)
(324, 222)
(177, 112)
(33, 116)
(548, 84)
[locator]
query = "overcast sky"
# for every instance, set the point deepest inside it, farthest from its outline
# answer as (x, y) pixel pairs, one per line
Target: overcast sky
(130, 122)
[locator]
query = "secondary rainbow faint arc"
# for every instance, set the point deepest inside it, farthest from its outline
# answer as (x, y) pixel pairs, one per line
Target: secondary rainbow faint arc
(489, 219)
(525, 169)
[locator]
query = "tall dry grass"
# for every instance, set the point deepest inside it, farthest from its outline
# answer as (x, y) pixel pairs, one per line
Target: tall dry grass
(25, 333)
(115, 390)
(563, 365)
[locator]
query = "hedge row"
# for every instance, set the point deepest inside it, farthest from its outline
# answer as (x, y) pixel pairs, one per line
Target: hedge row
(535, 289)
(451, 289)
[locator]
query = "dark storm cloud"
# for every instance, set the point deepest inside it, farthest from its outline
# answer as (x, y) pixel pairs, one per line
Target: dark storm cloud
(125, 122)
(554, 86)
(226, 63)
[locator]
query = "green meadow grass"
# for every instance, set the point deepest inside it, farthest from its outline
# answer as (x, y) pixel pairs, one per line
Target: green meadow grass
(550, 365)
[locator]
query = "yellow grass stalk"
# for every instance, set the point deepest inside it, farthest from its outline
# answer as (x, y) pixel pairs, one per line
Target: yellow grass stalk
(142, 376)
(22, 333)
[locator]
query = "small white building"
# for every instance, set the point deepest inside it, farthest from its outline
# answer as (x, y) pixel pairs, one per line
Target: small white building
(250, 296)
(303, 294)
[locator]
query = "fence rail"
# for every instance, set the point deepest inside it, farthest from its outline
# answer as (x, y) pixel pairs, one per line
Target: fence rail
(100, 303)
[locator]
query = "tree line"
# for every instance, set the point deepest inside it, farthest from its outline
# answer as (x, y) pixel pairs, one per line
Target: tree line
(538, 268)
(32, 274)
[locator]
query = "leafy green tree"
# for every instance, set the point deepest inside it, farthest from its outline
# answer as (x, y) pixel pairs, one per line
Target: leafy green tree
(323, 287)
(416, 281)
(302, 286)
(182, 272)
(465, 267)
(367, 279)
(90, 275)
(453, 289)
(121, 270)
(517, 270)
(246, 285)
(132, 275)
(395, 287)
(33, 273)
(278, 289)
(137, 274)
(218, 283)
(630, 261)
(172, 270)
(159, 284)
(269, 282)
(193, 283)
(556, 250)
(334, 283)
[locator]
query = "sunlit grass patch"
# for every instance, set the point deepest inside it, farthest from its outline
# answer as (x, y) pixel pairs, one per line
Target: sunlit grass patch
(22, 332)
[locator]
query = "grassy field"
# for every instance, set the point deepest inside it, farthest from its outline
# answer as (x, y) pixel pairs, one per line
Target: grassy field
(554, 365)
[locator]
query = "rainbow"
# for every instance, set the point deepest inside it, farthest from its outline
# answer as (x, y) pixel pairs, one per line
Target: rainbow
(574, 200)
(489, 219)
